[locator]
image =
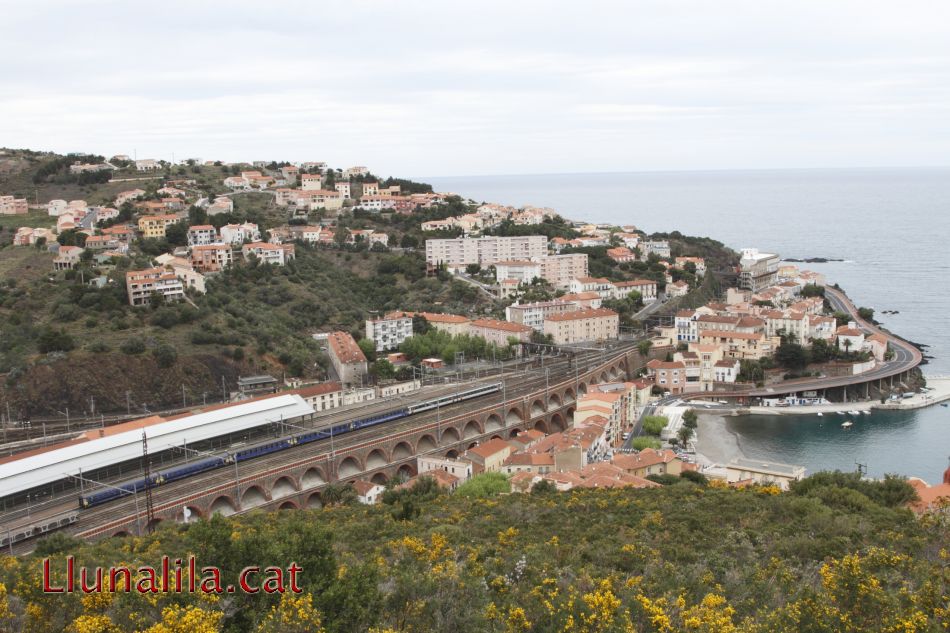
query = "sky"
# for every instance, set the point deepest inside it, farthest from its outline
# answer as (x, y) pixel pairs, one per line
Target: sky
(448, 88)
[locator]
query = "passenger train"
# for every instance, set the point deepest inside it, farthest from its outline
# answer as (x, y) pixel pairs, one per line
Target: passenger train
(259, 450)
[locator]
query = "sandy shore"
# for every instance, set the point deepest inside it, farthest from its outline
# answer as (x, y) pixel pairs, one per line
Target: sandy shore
(715, 443)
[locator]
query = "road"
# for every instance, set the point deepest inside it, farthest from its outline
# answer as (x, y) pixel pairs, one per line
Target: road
(906, 357)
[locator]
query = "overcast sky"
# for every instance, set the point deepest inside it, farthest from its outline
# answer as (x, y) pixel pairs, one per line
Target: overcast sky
(431, 88)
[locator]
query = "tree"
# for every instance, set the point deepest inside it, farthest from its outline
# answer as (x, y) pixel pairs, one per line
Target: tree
(640, 443)
(176, 234)
(822, 351)
(382, 369)
(654, 424)
(341, 235)
(51, 340)
(867, 314)
(792, 356)
(368, 347)
(644, 348)
(71, 237)
(420, 325)
(165, 355)
(684, 434)
(338, 494)
(690, 418)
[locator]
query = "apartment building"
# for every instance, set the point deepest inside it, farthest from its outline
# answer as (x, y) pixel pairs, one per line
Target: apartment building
(559, 270)
(153, 226)
(522, 271)
(534, 314)
(201, 234)
(660, 248)
(498, 332)
(669, 376)
(485, 251)
(142, 284)
(453, 324)
(211, 258)
(601, 285)
(389, 331)
(583, 325)
(239, 233)
(311, 182)
(757, 271)
(646, 288)
(741, 345)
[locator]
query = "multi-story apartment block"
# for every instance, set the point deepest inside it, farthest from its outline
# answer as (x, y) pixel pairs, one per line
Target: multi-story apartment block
(211, 258)
(559, 270)
(668, 375)
(462, 251)
(498, 332)
(238, 233)
(534, 314)
(660, 248)
(389, 331)
(311, 182)
(601, 285)
(522, 271)
(142, 284)
(757, 271)
(201, 234)
(740, 345)
(153, 226)
(646, 288)
(583, 325)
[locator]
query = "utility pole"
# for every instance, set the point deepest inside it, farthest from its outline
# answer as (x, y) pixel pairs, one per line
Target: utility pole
(183, 403)
(862, 468)
(149, 509)
(128, 403)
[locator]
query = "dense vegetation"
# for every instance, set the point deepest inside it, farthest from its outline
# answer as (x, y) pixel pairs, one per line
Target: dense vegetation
(834, 555)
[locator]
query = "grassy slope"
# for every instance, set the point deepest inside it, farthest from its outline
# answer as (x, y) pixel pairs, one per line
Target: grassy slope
(675, 558)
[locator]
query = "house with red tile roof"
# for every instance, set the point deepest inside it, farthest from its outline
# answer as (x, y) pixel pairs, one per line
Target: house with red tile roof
(489, 456)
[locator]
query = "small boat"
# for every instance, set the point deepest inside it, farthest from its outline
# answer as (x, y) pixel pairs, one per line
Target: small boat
(820, 414)
(854, 412)
(866, 412)
(944, 404)
(847, 424)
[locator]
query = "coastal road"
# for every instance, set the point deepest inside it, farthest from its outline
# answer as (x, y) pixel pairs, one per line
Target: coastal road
(906, 357)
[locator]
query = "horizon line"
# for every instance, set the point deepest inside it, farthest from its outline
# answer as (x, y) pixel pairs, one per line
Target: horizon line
(691, 171)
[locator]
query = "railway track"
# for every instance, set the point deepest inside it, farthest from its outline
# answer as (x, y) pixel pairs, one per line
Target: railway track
(520, 381)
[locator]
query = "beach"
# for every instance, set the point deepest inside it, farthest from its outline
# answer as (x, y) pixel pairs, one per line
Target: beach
(715, 443)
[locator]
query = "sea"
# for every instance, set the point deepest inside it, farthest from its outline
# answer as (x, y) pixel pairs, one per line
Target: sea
(889, 227)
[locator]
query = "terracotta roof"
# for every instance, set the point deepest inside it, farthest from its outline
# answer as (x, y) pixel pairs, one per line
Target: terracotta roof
(530, 459)
(363, 487)
(345, 348)
(318, 389)
(495, 324)
(722, 334)
(646, 457)
(575, 315)
(489, 448)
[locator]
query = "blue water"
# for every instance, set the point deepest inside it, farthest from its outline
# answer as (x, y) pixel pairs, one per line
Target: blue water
(890, 226)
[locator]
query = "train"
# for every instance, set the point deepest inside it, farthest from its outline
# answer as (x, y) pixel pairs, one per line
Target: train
(273, 446)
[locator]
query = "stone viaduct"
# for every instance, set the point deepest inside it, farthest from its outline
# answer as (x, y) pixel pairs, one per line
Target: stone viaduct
(300, 482)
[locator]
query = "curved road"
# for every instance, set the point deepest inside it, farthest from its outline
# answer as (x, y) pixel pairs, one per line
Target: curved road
(906, 357)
